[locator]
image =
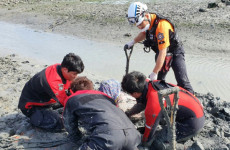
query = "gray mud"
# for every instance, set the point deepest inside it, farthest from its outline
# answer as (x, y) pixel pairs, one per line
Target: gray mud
(17, 133)
(204, 32)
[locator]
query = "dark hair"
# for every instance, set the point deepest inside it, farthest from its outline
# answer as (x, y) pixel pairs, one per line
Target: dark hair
(73, 63)
(81, 83)
(133, 82)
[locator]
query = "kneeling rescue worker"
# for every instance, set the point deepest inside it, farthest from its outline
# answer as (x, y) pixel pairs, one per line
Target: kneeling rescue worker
(190, 115)
(47, 90)
(92, 117)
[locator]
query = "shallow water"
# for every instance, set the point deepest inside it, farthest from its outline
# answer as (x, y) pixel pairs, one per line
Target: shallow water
(108, 61)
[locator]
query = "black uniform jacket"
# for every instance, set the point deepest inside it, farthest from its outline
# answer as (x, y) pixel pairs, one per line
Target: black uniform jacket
(44, 89)
(94, 112)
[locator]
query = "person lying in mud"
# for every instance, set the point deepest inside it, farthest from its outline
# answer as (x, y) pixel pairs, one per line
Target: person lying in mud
(92, 117)
(190, 115)
(160, 35)
(48, 89)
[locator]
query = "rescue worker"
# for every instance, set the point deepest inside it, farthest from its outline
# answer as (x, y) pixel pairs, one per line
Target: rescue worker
(190, 115)
(91, 116)
(160, 35)
(48, 89)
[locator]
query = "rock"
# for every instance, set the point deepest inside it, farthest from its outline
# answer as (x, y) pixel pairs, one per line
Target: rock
(217, 98)
(202, 10)
(226, 134)
(12, 132)
(212, 5)
(224, 147)
(228, 145)
(214, 111)
(227, 2)
(127, 34)
(226, 111)
(4, 135)
(227, 118)
(209, 96)
(213, 103)
(196, 146)
(216, 131)
(12, 55)
(25, 62)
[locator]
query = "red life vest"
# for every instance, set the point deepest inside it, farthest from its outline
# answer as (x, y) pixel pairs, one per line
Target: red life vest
(186, 99)
(55, 86)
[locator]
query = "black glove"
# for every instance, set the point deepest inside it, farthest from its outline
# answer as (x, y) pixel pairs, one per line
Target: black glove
(129, 45)
(126, 47)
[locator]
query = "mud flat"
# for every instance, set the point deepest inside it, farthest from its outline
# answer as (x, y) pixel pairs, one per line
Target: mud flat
(17, 133)
(204, 31)
(203, 26)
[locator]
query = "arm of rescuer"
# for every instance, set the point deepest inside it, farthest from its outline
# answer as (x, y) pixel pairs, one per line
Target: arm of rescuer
(140, 105)
(152, 117)
(137, 108)
(162, 34)
(138, 38)
(160, 61)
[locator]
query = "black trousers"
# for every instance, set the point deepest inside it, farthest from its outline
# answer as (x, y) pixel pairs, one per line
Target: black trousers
(185, 129)
(188, 128)
(46, 118)
(180, 72)
(126, 139)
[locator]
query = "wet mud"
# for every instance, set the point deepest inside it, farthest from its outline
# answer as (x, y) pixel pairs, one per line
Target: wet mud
(17, 133)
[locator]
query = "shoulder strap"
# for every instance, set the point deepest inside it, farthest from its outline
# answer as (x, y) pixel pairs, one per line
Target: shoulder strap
(155, 24)
(157, 20)
(160, 85)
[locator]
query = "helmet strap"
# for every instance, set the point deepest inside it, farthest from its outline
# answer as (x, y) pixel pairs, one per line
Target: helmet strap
(149, 21)
(149, 18)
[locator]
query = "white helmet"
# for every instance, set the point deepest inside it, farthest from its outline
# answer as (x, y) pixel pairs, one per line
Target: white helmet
(136, 13)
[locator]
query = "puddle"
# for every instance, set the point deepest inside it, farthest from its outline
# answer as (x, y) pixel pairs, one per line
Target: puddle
(108, 61)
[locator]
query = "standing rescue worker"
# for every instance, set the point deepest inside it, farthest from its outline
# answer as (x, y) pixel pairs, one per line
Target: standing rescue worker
(189, 118)
(159, 35)
(47, 89)
(92, 117)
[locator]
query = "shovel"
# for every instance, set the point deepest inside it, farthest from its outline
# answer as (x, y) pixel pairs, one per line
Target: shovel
(128, 55)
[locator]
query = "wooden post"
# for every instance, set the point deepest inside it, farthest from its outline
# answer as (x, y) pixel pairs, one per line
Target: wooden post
(173, 109)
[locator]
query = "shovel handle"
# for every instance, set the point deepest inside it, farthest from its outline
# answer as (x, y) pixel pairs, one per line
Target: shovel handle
(128, 55)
